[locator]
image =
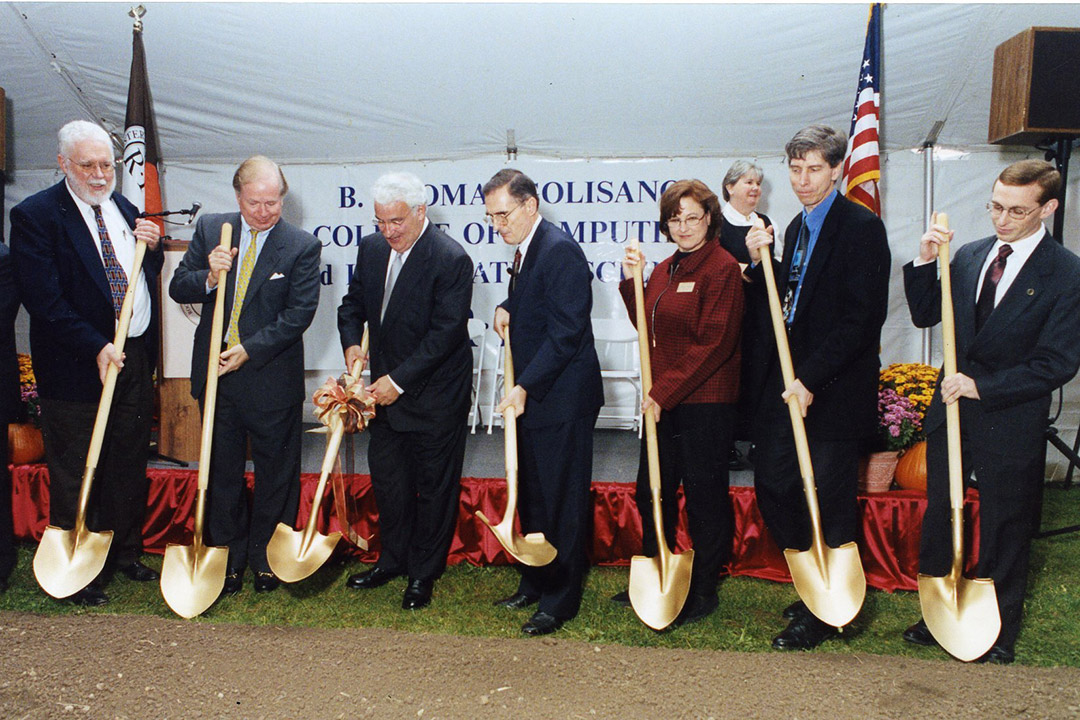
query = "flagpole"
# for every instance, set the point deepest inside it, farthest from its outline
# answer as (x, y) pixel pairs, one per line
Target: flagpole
(928, 213)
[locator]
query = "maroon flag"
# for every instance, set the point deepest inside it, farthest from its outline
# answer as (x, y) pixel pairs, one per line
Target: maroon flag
(141, 156)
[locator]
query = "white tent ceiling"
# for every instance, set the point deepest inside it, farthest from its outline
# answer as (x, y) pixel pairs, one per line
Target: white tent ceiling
(308, 82)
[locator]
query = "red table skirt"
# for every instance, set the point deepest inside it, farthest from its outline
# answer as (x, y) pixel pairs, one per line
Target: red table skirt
(889, 542)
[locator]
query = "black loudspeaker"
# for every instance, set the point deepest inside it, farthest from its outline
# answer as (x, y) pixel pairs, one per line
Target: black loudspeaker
(1036, 87)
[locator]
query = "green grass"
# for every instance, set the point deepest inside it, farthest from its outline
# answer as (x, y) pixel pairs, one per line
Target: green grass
(748, 617)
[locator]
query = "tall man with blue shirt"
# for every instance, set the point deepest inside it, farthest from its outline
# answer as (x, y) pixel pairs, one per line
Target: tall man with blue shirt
(1016, 298)
(271, 294)
(833, 283)
(73, 250)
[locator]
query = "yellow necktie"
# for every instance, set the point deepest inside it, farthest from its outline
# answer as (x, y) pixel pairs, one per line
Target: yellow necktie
(232, 337)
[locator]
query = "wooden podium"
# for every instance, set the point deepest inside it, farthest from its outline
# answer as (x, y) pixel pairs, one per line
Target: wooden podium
(180, 423)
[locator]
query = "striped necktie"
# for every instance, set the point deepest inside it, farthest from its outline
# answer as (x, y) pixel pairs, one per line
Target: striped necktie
(118, 281)
(232, 337)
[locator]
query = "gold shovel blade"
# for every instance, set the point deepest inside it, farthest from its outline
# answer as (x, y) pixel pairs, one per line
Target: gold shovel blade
(288, 557)
(533, 549)
(67, 561)
(657, 596)
(191, 580)
(833, 590)
(962, 615)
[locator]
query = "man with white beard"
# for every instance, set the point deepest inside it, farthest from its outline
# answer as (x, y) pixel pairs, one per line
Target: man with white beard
(73, 247)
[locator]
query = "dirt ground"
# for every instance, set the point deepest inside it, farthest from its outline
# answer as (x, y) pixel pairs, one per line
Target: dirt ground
(144, 667)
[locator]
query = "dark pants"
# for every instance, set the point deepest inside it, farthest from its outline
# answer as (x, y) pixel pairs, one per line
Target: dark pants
(694, 442)
(118, 498)
(555, 479)
(7, 533)
(779, 486)
(416, 477)
(1010, 483)
(275, 436)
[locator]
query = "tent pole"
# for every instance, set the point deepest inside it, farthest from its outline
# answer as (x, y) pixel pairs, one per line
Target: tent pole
(928, 210)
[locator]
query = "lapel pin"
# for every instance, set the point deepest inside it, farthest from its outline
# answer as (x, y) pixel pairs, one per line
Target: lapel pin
(1031, 291)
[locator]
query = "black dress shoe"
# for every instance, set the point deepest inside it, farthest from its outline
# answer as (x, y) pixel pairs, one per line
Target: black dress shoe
(370, 579)
(998, 655)
(517, 601)
(139, 573)
(804, 633)
(89, 596)
(622, 598)
(266, 581)
(794, 610)
(919, 634)
(417, 594)
(234, 580)
(697, 607)
(541, 624)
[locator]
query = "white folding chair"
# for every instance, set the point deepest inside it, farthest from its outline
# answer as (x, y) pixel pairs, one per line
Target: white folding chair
(616, 340)
(478, 336)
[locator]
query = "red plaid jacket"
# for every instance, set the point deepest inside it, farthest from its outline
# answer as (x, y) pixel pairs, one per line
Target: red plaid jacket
(694, 320)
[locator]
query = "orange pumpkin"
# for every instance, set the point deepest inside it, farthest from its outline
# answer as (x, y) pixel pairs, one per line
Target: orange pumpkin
(911, 470)
(25, 444)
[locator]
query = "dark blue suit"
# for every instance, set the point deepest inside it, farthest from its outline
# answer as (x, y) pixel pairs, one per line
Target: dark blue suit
(555, 361)
(63, 285)
(9, 404)
(1029, 346)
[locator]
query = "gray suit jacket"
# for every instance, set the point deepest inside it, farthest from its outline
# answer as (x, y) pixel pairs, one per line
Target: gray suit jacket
(280, 303)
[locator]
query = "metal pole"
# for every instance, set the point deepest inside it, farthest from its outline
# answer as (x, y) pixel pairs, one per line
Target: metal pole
(928, 210)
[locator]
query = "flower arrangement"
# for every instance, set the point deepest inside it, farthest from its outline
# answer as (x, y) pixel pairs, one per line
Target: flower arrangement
(904, 392)
(28, 390)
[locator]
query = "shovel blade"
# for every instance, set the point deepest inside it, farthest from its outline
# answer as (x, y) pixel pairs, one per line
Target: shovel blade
(962, 614)
(192, 578)
(288, 557)
(533, 549)
(833, 590)
(66, 561)
(658, 596)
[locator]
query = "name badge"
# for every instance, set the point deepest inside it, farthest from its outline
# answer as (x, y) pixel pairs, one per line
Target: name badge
(685, 287)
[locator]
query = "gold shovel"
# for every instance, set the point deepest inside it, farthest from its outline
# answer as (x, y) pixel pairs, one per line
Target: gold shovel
(961, 613)
(192, 576)
(658, 585)
(829, 580)
(294, 555)
(66, 561)
(533, 549)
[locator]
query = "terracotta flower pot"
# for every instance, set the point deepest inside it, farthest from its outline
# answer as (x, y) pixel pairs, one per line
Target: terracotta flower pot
(25, 444)
(876, 471)
(911, 470)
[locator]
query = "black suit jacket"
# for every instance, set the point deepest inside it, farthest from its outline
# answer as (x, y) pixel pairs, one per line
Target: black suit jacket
(423, 342)
(1029, 345)
(836, 334)
(63, 285)
(280, 303)
(551, 335)
(9, 359)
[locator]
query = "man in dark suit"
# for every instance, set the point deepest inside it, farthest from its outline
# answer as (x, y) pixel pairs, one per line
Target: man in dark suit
(557, 397)
(9, 407)
(271, 294)
(413, 287)
(834, 285)
(73, 247)
(1016, 300)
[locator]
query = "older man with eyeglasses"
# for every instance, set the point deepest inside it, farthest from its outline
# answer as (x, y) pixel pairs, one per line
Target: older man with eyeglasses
(1016, 298)
(413, 288)
(73, 247)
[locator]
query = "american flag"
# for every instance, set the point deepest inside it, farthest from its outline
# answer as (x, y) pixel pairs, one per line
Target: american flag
(862, 166)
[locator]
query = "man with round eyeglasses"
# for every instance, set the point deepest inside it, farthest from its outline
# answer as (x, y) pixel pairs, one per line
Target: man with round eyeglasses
(73, 247)
(1016, 299)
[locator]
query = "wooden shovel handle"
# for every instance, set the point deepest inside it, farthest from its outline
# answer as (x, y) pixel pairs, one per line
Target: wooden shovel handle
(948, 336)
(210, 395)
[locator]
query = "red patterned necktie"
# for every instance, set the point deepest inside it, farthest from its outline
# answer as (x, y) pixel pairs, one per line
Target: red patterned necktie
(118, 281)
(985, 304)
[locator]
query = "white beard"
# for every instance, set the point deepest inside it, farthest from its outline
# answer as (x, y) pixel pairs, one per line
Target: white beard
(89, 194)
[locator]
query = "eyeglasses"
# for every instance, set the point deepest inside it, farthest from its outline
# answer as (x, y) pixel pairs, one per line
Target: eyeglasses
(1015, 213)
(395, 224)
(501, 217)
(89, 167)
(690, 221)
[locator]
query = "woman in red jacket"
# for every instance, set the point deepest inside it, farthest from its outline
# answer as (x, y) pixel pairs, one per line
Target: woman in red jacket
(693, 307)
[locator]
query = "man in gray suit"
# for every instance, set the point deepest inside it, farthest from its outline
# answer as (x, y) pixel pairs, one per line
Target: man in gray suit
(1016, 298)
(271, 294)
